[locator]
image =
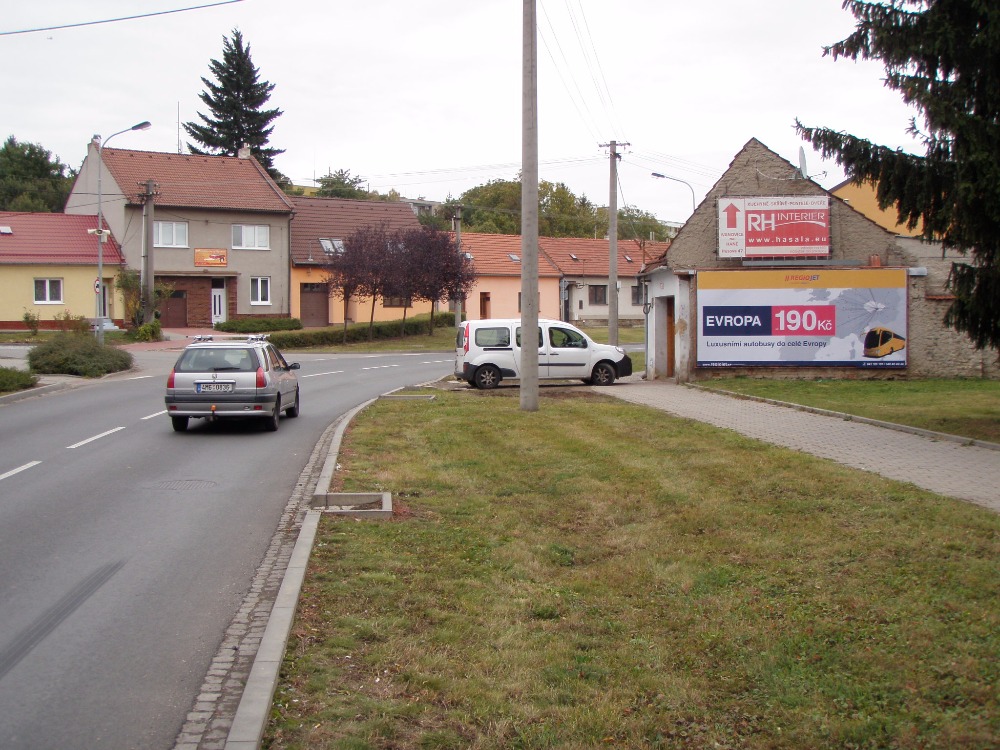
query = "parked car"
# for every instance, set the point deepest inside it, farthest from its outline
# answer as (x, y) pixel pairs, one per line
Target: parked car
(246, 379)
(489, 351)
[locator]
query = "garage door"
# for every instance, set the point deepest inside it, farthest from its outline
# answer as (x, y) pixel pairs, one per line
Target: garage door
(314, 304)
(173, 314)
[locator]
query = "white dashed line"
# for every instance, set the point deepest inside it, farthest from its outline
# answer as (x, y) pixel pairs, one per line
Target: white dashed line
(19, 469)
(96, 437)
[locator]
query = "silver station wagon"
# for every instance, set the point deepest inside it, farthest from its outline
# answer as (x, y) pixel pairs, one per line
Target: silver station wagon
(232, 380)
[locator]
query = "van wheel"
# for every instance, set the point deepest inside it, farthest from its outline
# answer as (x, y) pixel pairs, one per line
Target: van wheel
(487, 377)
(179, 423)
(604, 374)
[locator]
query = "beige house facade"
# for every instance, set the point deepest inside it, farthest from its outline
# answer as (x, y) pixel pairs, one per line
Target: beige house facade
(217, 229)
(774, 276)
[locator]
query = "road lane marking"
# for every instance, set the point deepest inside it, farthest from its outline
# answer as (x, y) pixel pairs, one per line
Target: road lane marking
(380, 367)
(96, 437)
(317, 374)
(153, 416)
(19, 469)
(141, 377)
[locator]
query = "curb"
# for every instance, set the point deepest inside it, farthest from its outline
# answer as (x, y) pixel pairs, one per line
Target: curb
(854, 418)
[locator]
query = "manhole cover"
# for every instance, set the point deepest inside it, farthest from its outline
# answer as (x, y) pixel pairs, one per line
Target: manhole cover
(185, 485)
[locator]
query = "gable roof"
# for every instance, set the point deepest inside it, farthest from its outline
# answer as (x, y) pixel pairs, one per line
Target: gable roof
(53, 239)
(337, 218)
(192, 181)
(494, 255)
(583, 256)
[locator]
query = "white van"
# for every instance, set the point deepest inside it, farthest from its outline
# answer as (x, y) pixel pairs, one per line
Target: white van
(488, 351)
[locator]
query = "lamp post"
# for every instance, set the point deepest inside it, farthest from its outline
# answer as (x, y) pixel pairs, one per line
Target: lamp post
(101, 231)
(666, 177)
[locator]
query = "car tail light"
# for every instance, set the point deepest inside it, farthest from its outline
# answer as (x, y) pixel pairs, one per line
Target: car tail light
(465, 337)
(261, 380)
(170, 379)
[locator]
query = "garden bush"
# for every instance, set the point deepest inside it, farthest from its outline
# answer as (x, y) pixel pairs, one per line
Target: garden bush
(358, 332)
(74, 354)
(259, 325)
(15, 380)
(148, 332)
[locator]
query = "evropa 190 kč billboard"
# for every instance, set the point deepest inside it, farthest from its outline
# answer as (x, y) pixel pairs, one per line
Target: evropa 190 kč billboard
(802, 318)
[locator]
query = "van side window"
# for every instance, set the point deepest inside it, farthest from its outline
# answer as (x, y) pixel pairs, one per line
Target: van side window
(563, 338)
(492, 337)
(518, 334)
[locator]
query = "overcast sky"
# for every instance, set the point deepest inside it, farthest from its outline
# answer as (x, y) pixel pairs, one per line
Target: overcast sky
(426, 97)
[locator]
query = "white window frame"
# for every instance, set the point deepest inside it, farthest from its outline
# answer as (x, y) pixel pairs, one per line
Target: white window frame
(256, 287)
(176, 228)
(48, 282)
(251, 237)
(332, 245)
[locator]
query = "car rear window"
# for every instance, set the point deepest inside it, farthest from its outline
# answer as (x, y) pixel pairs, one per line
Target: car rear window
(493, 336)
(217, 360)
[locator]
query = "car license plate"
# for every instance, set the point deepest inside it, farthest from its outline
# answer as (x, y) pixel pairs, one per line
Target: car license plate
(214, 388)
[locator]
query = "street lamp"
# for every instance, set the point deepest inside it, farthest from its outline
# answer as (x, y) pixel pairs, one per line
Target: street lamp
(101, 231)
(666, 177)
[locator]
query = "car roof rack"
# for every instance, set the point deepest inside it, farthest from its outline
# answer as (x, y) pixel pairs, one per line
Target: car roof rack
(203, 337)
(257, 337)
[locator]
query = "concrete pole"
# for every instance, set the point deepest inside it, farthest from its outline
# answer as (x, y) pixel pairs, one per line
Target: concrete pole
(529, 210)
(613, 249)
(148, 283)
(457, 220)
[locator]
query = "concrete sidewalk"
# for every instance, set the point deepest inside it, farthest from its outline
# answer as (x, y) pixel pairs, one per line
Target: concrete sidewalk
(940, 464)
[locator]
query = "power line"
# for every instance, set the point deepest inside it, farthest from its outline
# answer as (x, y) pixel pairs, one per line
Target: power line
(116, 20)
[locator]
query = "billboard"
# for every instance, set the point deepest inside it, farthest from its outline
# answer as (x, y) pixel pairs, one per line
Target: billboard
(791, 226)
(802, 318)
(210, 256)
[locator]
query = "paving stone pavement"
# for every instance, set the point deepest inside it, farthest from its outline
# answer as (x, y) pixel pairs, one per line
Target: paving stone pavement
(967, 472)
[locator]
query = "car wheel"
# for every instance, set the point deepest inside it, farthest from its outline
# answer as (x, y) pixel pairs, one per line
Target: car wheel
(293, 410)
(271, 423)
(604, 374)
(180, 424)
(487, 377)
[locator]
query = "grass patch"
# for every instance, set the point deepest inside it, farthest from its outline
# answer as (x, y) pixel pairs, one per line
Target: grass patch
(970, 408)
(550, 581)
(13, 380)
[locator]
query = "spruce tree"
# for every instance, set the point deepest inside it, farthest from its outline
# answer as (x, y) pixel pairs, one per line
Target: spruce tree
(235, 101)
(943, 57)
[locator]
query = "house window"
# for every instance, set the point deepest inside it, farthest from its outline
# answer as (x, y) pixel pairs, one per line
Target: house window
(332, 246)
(397, 302)
(637, 295)
(170, 234)
(48, 291)
(260, 290)
(598, 294)
(249, 237)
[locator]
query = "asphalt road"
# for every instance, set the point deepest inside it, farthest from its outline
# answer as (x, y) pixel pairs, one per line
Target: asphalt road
(126, 548)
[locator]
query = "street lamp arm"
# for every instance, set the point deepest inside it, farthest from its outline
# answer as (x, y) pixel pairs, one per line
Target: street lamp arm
(668, 177)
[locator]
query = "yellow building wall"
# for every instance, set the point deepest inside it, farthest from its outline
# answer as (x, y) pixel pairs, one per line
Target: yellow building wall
(862, 198)
(359, 311)
(17, 293)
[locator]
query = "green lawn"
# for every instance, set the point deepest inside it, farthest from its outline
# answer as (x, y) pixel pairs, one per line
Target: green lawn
(970, 408)
(599, 574)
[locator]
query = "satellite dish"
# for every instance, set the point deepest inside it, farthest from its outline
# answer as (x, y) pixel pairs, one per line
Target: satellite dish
(803, 172)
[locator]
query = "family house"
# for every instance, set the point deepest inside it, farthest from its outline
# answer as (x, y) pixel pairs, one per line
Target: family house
(773, 275)
(48, 269)
(217, 229)
(318, 232)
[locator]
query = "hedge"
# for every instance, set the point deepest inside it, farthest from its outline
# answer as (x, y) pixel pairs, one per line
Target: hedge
(259, 325)
(358, 332)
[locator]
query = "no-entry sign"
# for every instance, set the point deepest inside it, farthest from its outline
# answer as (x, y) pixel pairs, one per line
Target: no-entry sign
(797, 225)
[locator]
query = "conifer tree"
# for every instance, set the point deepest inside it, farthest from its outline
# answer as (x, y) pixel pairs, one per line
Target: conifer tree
(236, 103)
(943, 57)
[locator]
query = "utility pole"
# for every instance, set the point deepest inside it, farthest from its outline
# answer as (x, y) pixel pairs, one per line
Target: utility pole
(613, 245)
(146, 273)
(529, 210)
(456, 221)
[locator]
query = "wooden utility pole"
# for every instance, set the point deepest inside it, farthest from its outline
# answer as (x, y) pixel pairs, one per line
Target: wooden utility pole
(529, 210)
(147, 283)
(613, 245)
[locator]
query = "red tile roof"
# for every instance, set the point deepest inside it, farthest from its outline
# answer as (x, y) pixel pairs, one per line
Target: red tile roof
(336, 218)
(53, 239)
(491, 255)
(593, 256)
(190, 181)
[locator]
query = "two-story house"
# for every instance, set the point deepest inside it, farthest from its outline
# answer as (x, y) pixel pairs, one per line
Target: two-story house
(217, 229)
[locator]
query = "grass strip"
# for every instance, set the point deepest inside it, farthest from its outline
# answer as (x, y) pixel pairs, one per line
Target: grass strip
(599, 574)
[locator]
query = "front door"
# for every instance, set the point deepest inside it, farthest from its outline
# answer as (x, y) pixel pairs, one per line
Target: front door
(218, 304)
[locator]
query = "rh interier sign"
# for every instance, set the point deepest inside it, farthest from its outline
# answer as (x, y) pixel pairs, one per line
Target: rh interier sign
(790, 226)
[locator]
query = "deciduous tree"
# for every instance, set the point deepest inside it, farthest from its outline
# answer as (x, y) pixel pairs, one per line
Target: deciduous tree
(31, 179)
